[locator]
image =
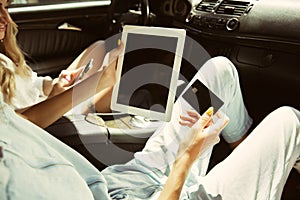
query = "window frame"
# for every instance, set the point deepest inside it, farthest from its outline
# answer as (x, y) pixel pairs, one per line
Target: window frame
(27, 8)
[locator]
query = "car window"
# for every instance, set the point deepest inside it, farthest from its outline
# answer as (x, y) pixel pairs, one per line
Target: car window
(21, 6)
(48, 2)
(26, 3)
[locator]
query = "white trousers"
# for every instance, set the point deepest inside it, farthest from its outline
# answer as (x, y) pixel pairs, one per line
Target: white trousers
(221, 77)
(259, 167)
(256, 170)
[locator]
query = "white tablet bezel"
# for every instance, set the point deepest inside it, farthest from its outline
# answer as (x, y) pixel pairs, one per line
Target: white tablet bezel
(158, 31)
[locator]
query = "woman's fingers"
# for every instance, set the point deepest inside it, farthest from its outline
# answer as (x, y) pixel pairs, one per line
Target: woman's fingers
(189, 120)
(204, 133)
(197, 137)
(74, 75)
(185, 123)
(68, 77)
(209, 123)
(205, 118)
(193, 117)
(193, 114)
(213, 131)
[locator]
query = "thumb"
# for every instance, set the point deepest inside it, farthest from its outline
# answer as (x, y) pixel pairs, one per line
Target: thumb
(76, 72)
(64, 77)
(205, 119)
(71, 76)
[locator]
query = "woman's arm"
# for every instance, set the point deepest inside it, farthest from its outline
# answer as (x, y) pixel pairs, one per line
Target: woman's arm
(176, 179)
(48, 111)
(66, 78)
(50, 87)
(63, 99)
(201, 137)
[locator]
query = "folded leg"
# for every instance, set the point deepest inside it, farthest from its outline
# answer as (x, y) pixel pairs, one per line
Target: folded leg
(259, 167)
(220, 76)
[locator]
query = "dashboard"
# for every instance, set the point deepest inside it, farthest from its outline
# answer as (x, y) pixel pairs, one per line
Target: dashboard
(261, 37)
(263, 20)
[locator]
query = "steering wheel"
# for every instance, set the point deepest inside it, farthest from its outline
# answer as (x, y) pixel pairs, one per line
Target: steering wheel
(145, 11)
(121, 6)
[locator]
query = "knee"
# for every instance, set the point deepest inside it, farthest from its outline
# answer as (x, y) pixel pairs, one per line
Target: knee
(285, 112)
(287, 116)
(223, 68)
(100, 44)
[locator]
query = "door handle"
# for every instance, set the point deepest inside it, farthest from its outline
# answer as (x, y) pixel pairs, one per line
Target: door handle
(67, 26)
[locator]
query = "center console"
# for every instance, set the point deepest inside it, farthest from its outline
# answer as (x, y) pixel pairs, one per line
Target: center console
(218, 14)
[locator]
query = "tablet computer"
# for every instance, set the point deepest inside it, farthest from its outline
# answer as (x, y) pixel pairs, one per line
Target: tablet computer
(147, 71)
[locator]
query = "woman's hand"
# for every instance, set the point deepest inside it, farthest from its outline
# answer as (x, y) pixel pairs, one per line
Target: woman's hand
(65, 79)
(68, 77)
(189, 120)
(64, 97)
(204, 132)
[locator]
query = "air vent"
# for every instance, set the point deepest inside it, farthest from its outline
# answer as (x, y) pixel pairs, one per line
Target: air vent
(236, 8)
(206, 5)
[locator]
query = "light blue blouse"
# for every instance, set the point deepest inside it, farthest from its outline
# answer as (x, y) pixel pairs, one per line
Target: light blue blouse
(29, 89)
(35, 165)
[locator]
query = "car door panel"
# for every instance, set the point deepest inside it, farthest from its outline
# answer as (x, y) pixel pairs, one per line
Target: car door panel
(51, 39)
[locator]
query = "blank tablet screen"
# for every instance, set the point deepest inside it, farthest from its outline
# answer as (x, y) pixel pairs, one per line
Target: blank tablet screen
(147, 71)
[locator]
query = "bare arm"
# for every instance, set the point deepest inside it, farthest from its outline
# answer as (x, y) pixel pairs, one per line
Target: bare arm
(52, 87)
(63, 99)
(200, 139)
(48, 111)
(176, 179)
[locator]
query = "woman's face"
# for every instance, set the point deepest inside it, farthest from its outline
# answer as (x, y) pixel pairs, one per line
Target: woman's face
(4, 17)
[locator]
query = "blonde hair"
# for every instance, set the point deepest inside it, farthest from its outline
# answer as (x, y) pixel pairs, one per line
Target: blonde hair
(10, 48)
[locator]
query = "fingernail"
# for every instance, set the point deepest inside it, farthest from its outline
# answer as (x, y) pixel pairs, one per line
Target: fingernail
(68, 78)
(210, 111)
(119, 42)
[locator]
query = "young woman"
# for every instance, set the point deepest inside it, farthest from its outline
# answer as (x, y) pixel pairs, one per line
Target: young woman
(32, 96)
(24, 90)
(34, 165)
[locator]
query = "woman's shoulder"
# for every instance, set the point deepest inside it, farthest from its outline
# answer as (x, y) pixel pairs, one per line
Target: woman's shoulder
(2, 102)
(5, 57)
(7, 62)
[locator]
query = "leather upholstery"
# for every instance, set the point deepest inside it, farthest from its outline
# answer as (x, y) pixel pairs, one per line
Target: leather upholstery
(50, 51)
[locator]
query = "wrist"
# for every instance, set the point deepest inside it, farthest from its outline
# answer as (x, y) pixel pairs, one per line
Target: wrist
(47, 85)
(57, 87)
(55, 80)
(183, 163)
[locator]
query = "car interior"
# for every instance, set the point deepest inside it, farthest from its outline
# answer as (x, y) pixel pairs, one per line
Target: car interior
(261, 38)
